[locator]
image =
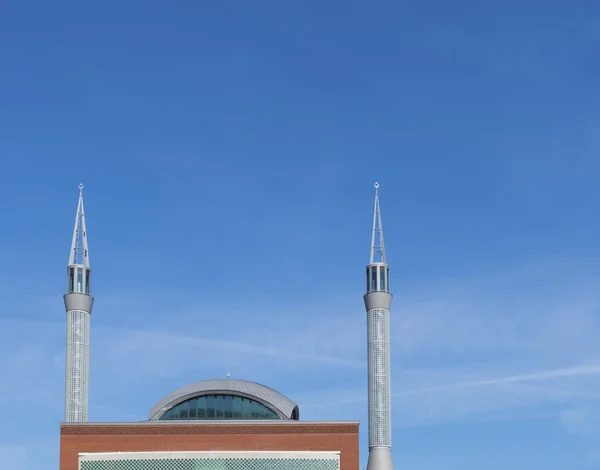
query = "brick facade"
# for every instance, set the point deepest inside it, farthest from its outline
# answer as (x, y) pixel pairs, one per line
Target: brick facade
(218, 436)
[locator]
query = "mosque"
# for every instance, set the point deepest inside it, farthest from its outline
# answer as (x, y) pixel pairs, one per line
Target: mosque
(222, 424)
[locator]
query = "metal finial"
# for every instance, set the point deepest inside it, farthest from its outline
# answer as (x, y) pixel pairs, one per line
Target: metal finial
(228, 375)
(376, 185)
(80, 188)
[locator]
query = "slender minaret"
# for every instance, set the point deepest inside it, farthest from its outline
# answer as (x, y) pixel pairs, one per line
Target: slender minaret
(378, 301)
(78, 303)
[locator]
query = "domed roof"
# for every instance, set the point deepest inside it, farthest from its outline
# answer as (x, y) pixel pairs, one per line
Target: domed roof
(280, 404)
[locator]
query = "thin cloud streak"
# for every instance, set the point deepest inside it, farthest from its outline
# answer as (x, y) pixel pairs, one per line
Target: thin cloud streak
(576, 371)
(167, 345)
(115, 412)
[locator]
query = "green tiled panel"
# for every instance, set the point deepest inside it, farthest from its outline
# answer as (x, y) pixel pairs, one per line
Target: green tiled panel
(212, 464)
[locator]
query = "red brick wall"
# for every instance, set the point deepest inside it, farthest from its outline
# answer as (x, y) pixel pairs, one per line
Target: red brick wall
(75, 438)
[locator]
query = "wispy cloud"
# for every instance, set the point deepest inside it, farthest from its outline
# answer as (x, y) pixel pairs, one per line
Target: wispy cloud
(576, 371)
(534, 377)
(36, 453)
(14, 457)
(151, 349)
(115, 415)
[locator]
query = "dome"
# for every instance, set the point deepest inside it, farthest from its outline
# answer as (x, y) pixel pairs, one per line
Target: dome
(224, 399)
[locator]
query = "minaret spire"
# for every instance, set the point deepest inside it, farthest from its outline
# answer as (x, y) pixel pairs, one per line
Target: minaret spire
(78, 303)
(378, 302)
(79, 246)
(377, 245)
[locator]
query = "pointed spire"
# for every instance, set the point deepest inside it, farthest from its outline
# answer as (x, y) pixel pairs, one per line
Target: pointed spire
(79, 246)
(377, 246)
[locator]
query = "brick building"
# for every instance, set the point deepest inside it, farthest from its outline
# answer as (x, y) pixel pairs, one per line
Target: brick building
(224, 424)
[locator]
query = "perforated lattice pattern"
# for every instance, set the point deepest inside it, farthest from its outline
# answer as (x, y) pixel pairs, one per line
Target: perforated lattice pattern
(378, 323)
(213, 464)
(77, 367)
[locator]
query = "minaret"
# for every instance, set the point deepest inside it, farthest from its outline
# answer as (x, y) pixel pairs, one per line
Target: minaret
(78, 303)
(378, 301)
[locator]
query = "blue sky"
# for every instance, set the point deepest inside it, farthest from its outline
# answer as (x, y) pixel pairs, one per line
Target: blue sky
(228, 152)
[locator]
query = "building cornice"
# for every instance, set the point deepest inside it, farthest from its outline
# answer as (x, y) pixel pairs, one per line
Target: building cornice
(231, 427)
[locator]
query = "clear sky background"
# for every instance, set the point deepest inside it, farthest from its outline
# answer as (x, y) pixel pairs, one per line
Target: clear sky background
(228, 151)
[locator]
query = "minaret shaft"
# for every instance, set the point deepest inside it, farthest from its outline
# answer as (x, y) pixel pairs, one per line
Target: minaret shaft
(77, 366)
(378, 324)
(378, 301)
(78, 304)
